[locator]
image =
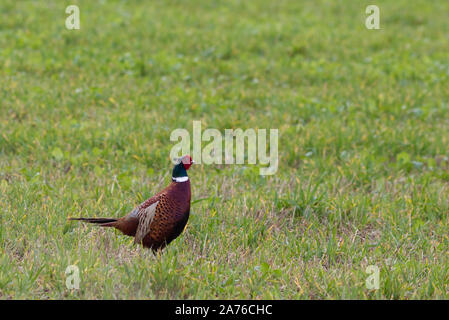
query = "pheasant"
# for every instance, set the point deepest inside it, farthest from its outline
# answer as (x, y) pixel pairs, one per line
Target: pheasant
(159, 220)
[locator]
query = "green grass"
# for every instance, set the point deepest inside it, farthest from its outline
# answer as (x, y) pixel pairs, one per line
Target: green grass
(86, 117)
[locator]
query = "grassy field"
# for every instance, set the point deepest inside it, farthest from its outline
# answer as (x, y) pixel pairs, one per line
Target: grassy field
(85, 123)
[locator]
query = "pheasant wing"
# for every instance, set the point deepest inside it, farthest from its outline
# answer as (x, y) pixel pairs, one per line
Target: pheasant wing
(146, 216)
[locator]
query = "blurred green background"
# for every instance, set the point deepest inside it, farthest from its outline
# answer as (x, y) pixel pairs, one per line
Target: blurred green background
(85, 123)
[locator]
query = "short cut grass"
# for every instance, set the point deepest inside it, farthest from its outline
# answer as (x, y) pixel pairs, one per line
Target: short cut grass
(86, 117)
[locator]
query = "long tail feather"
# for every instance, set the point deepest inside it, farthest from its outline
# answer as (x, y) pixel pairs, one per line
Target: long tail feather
(104, 222)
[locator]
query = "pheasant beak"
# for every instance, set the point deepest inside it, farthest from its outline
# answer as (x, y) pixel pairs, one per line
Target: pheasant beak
(192, 162)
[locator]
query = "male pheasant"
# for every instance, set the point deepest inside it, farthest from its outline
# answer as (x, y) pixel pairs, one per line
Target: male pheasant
(160, 219)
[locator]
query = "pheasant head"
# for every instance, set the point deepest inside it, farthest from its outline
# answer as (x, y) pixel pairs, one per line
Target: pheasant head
(180, 169)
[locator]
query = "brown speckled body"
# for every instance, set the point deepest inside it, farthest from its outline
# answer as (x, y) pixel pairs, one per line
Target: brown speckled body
(170, 217)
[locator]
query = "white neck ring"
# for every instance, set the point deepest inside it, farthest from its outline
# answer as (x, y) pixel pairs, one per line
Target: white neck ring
(180, 179)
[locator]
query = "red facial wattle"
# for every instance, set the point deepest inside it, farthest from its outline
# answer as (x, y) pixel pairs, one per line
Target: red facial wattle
(187, 162)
